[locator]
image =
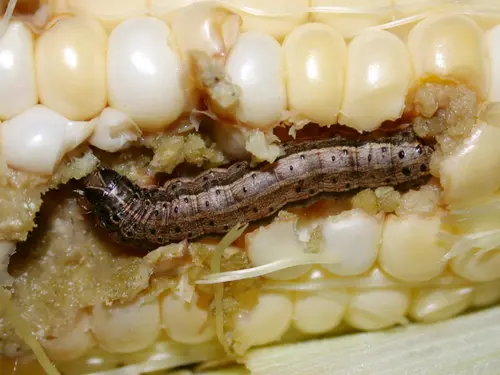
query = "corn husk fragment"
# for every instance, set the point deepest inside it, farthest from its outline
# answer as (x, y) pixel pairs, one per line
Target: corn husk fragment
(465, 345)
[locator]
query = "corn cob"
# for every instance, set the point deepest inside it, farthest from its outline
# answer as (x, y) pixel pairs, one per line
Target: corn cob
(142, 75)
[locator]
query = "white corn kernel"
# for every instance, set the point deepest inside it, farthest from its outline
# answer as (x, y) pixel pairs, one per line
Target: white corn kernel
(255, 64)
(126, 328)
(341, 238)
(473, 220)
(257, 15)
(359, 14)
(114, 131)
(73, 344)
(486, 294)
(450, 46)
(319, 312)
(145, 73)
(440, 304)
(185, 322)
(205, 27)
(265, 323)
(476, 266)
(18, 90)
(108, 12)
(377, 309)
(493, 40)
(410, 250)
(467, 173)
(37, 139)
(378, 75)
(274, 242)
(70, 60)
(315, 62)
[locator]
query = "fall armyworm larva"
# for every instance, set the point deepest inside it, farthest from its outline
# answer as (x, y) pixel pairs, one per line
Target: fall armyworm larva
(218, 199)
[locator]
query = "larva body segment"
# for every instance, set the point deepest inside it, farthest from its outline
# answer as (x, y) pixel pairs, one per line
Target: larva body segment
(160, 88)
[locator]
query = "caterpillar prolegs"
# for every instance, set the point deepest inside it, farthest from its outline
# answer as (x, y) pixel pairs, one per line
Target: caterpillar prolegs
(218, 199)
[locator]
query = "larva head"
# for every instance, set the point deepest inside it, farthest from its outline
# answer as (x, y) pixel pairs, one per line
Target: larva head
(108, 193)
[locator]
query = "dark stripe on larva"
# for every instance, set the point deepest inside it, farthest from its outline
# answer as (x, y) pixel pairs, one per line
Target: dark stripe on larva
(218, 199)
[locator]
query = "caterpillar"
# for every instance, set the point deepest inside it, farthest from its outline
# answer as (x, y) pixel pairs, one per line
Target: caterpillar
(219, 198)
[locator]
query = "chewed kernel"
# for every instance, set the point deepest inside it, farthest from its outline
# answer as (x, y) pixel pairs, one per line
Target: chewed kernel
(37, 139)
(114, 131)
(206, 28)
(255, 64)
(451, 46)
